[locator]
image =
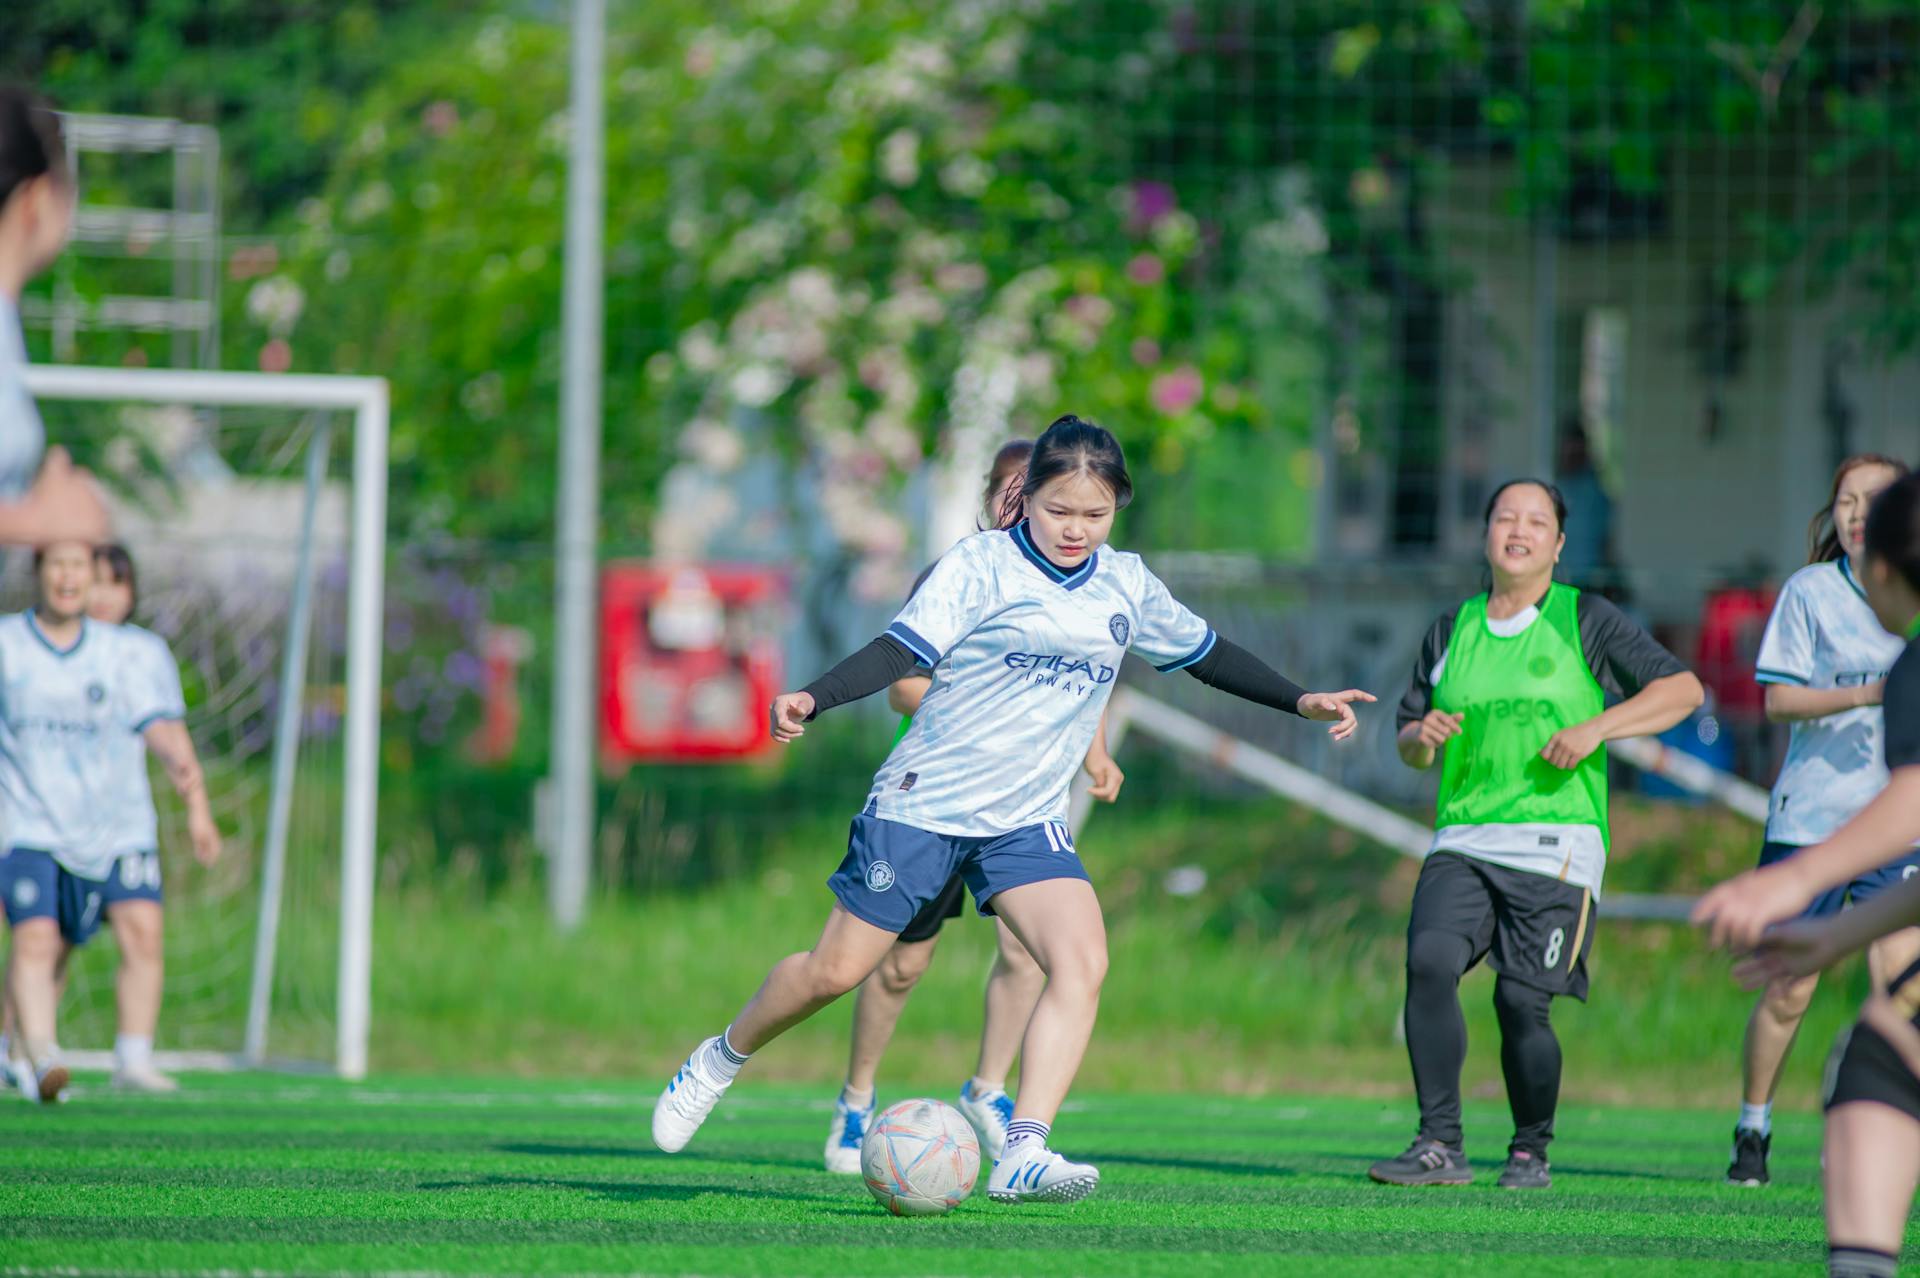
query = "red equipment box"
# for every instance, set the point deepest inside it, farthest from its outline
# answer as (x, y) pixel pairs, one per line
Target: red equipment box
(689, 659)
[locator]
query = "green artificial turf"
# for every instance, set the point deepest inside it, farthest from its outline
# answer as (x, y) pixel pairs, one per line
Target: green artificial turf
(272, 1175)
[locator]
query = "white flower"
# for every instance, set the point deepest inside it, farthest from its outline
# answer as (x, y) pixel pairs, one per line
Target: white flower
(492, 44)
(484, 397)
(758, 385)
(369, 201)
(900, 157)
(699, 350)
(339, 262)
(276, 303)
(967, 176)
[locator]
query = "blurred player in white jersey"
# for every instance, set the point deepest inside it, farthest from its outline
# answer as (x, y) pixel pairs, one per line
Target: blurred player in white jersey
(77, 697)
(133, 906)
(50, 501)
(1824, 661)
(1024, 629)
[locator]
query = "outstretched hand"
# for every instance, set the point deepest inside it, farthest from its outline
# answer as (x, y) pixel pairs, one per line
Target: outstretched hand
(1738, 912)
(1335, 708)
(788, 715)
(1789, 951)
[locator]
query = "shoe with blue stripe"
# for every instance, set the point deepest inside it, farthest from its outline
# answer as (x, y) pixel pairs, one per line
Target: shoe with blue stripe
(689, 1097)
(989, 1112)
(1032, 1173)
(846, 1133)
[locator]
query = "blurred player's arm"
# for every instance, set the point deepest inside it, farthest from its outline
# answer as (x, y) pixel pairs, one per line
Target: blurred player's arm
(173, 746)
(904, 695)
(1806, 946)
(63, 505)
(1790, 703)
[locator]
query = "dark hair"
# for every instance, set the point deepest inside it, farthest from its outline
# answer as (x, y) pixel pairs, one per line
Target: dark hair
(30, 142)
(1011, 458)
(1071, 446)
(1823, 539)
(1553, 495)
(119, 565)
(1893, 528)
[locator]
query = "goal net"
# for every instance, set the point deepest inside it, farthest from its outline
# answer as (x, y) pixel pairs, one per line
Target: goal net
(254, 507)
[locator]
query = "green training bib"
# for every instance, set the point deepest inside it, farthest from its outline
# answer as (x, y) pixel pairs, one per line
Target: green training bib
(1514, 694)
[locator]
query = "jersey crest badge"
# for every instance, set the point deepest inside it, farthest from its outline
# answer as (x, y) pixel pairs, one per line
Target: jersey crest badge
(1118, 627)
(96, 693)
(879, 876)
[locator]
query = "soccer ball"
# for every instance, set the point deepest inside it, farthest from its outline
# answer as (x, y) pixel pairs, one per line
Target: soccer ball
(920, 1158)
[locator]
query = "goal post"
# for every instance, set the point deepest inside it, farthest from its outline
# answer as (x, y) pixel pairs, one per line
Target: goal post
(366, 399)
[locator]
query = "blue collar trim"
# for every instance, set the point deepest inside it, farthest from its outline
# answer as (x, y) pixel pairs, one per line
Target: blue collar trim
(33, 624)
(1846, 571)
(1068, 580)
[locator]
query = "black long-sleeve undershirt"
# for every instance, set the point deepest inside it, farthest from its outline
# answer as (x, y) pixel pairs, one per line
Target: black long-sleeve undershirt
(861, 675)
(1231, 668)
(1227, 666)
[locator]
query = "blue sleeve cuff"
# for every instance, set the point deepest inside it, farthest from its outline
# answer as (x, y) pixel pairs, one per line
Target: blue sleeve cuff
(162, 716)
(1206, 646)
(924, 652)
(1779, 676)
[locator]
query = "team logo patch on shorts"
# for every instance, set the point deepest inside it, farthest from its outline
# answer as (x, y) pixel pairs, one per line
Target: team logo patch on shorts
(1118, 627)
(879, 876)
(25, 893)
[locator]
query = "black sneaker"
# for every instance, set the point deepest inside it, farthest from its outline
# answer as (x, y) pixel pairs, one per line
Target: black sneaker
(1525, 1171)
(1749, 1166)
(1426, 1162)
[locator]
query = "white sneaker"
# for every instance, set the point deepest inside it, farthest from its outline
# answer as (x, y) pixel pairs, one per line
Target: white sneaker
(20, 1074)
(143, 1078)
(41, 1086)
(1032, 1173)
(689, 1097)
(846, 1133)
(989, 1112)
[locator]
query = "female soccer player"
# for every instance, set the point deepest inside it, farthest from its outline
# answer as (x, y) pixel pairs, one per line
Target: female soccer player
(1823, 661)
(55, 501)
(1871, 1158)
(1511, 687)
(1024, 629)
(77, 693)
(132, 901)
(1014, 984)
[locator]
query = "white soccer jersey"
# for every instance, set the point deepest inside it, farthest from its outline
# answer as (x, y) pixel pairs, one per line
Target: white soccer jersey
(1823, 635)
(22, 437)
(154, 681)
(65, 719)
(1024, 655)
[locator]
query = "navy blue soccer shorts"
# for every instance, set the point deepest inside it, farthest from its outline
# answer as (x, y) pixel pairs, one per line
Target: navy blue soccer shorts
(1833, 900)
(33, 885)
(892, 870)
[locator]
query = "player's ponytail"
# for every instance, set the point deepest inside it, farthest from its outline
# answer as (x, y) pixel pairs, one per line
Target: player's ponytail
(1823, 539)
(1893, 528)
(30, 141)
(1071, 446)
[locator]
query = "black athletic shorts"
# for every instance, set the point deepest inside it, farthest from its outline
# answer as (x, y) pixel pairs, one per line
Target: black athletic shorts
(1866, 1067)
(926, 925)
(1528, 927)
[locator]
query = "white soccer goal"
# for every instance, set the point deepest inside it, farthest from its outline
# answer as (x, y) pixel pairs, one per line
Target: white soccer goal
(260, 540)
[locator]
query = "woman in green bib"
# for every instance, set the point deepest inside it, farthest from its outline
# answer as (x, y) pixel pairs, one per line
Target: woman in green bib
(1510, 693)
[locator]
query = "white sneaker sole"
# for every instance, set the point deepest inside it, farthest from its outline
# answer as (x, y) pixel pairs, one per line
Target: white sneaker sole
(845, 1166)
(1070, 1190)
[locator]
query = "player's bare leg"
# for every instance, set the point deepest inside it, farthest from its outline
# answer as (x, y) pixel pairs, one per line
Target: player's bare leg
(877, 1005)
(1771, 1030)
(1014, 986)
(798, 986)
(1892, 954)
(39, 952)
(1060, 924)
(139, 930)
(1872, 1166)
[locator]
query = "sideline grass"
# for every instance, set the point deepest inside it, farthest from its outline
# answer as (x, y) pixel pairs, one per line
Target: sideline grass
(275, 1176)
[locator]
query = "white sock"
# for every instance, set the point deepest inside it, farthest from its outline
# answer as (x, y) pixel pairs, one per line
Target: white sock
(978, 1089)
(725, 1060)
(1757, 1118)
(856, 1100)
(4, 1048)
(1021, 1130)
(133, 1051)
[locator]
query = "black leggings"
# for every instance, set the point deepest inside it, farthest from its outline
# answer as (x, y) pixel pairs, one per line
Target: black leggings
(1437, 1043)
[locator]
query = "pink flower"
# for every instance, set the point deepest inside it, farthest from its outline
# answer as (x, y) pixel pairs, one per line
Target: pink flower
(1146, 269)
(1145, 351)
(276, 356)
(1150, 202)
(1177, 390)
(440, 118)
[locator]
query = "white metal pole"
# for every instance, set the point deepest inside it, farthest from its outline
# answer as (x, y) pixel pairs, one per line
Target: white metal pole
(286, 754)
(366, 587)
(574, 644)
